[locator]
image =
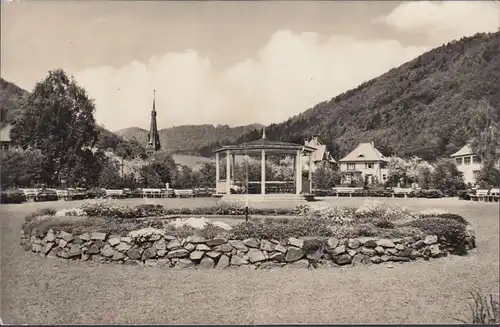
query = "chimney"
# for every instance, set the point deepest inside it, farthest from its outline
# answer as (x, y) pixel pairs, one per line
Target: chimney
(372, 143)
(305, 140)
(315, 139)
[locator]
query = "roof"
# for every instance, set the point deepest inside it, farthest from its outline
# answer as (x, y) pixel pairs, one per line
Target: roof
(266, 144)
(464, 151)
(5, 133)
(321, 153)
(364, 152)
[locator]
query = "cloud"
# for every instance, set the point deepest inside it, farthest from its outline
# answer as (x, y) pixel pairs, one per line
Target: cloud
(444, 21)
(288, 75)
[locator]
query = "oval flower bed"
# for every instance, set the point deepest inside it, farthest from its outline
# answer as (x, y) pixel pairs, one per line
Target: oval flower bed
(327, 236)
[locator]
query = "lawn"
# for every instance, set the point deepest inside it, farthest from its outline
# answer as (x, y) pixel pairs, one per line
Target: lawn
(50, 291)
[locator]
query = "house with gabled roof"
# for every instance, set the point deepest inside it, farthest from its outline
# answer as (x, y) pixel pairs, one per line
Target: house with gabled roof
(321, 157)
(364, 163)
(5, 140)
(468, 162)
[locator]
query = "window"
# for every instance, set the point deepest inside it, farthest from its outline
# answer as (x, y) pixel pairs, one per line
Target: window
(459, 161)
(351, 166)
(369, 165)
(384, 177)
(467, 161)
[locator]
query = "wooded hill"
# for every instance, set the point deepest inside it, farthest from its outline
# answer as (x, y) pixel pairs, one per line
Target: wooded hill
(425, 107)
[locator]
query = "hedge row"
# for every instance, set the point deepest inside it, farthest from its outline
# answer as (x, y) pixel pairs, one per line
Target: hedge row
(429, 194)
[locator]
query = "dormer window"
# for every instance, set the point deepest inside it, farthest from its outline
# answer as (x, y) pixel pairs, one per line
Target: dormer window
(361, 156)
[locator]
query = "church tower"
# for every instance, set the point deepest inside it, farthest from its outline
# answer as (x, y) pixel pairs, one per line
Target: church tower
(153, 137)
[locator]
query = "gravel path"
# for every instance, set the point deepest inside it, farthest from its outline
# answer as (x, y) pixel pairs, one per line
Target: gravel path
(51, 291)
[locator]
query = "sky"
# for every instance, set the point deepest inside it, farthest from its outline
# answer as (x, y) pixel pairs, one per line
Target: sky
(223, 62)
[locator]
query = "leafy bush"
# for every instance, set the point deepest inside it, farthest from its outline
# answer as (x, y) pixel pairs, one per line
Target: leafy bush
(339, 215)
(454, 216)
(384, 223)
(429, 194)
(106, 208)
(373, 210)
(12, 197)
(451, 229)
(40, 212)
(463, 195)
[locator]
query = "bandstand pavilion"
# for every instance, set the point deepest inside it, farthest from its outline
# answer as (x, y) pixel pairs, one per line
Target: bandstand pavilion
(264, 147)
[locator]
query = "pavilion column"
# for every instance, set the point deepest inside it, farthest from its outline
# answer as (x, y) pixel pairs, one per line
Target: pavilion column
(298, 175)
(233, 166)
(217, 172)
(228, 172)
(310, 173)
(263, 172)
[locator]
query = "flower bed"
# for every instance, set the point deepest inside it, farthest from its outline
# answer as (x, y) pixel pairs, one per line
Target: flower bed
(323, 236)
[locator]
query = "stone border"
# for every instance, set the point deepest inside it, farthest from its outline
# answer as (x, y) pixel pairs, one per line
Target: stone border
(153, 247)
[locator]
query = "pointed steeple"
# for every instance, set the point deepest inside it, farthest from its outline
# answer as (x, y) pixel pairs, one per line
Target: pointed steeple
(153, 137)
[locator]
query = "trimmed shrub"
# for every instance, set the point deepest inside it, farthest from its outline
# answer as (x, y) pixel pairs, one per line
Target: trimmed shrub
(12, 197)
(450, 229)
(40, 212)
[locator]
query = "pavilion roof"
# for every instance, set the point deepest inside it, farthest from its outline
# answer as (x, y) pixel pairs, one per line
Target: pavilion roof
(266, 144)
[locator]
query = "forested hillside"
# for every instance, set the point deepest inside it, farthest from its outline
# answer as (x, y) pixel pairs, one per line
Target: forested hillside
(10, 100)
(426, 107)
(189, 139)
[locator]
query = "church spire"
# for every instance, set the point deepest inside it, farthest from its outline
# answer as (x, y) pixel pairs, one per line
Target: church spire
(153, 137)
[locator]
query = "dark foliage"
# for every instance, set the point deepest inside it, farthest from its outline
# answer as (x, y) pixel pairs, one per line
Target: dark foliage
(12, 197)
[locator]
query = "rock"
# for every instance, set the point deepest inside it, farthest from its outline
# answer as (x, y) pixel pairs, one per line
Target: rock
(181, 253)
(391, 252)
(161, 253)
(280, 248)
(379, 250)
(238, 245)
(189, 246)
(401, 259)
(114, 240)
(415, 254)
(160, 245)
(390, 265)
(277, 256)
(66, 236)
(223, 261)
(299, 264)
(213, 254)
(251, 243)
(237, 261)
(134, 254)
(270, 265)
(206, 263)
(37, 248)
(255, 255)
(367, 251)
(224, 248)
(107, 251)
(118, 256)
(154, 237)
(50, 237)
(149, 253)
(202, 247)
(369, 243)
(151, 263)
(216, 241)
(296, 242)
(48, 247)
(196, 255)
(62, 243)
(385, 258)
(98, 236)
(342, 259)
(399, 247)
(126, 239)
(128, 262)
(123, 247)
(54, 252)
(174, 244)
(353, 243)
(419, 244)
(435, 251)
(77, 240)
(431, 239)
(332, 243)
(265, 245)
(85, 257)
(93, 249)
(74, 251)
(386, 243)
(359, 259)
(99, 244)
(376, 259)
(294, 254)
(315, 256)
(339, 250)
(85, 237)
(406, 252)
(195, 239)
(352, 252)
(163, 263)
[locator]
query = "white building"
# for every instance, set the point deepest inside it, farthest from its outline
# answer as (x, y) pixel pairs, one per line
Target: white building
(320, 157)
(468, 163)
(365, 162)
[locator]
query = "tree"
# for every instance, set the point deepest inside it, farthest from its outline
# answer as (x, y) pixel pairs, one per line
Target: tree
(396, 170)
(109, 176)
(446, 177)
(488, 176)
(206, 175)
(325, 178)
(57, 118)
(22, 169)
(149, 177)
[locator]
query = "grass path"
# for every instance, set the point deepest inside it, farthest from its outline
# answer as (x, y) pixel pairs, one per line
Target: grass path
(51, 291)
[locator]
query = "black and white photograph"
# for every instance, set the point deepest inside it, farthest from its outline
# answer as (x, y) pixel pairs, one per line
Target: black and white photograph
(249, 162)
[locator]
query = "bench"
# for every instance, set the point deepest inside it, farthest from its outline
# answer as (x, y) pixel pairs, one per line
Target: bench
(115, 194)
(492, 195)
(345, 190)
(153, 193)
(30, 193)
(401, 191)
(184, 193)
